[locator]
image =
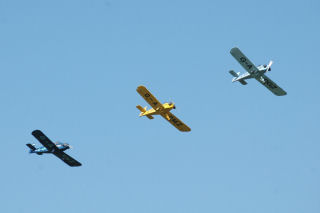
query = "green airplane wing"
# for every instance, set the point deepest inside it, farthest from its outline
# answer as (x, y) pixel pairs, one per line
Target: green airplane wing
(273, 87)
(243, 60)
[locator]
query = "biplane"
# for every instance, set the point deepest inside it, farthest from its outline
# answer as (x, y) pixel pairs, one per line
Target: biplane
(160, 109)
(53, 148)
(254, 72)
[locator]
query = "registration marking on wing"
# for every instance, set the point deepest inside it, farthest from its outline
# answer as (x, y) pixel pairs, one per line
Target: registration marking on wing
(176, 122)
(273, 87)
(146, 94)
(243, 60)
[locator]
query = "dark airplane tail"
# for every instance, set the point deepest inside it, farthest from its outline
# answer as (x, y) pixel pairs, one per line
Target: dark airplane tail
(32, 147)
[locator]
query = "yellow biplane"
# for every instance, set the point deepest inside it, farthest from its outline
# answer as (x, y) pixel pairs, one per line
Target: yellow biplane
(160, 109)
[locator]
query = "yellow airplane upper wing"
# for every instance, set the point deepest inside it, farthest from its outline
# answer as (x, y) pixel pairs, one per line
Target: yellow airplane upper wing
(176, 122)
(149, 97)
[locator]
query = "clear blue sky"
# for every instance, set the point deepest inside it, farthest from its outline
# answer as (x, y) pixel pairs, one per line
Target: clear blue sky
(71, 68)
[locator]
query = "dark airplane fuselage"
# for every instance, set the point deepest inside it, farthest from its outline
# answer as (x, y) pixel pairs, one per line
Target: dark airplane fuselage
(41, 150)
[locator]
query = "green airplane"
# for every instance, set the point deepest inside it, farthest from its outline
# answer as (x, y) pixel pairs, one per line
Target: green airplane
(254, 72)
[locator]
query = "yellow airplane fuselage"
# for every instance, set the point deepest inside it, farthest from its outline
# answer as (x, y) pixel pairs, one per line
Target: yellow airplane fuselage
(166, 107)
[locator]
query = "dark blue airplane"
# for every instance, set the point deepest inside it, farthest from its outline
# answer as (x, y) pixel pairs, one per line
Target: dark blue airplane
(50, 147)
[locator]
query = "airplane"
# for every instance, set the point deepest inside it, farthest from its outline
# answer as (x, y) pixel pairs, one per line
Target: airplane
(160, 109)
(254, 72)
(50, 147)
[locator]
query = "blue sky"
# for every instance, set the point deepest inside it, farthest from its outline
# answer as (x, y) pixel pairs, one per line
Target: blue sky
(71, 68)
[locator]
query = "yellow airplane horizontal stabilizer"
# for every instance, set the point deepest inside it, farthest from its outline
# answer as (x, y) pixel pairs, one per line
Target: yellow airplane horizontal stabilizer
(143, 110)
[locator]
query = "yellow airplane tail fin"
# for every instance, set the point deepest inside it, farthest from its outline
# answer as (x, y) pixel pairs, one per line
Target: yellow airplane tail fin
(143, 110)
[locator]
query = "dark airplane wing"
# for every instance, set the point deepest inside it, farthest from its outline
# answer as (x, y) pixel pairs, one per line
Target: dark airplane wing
(44, 140)
(273, 87)
(243, 60)
(66, 158)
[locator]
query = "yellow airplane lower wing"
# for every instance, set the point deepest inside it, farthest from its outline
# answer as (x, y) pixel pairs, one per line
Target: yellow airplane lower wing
(149, 97)
(176, 122)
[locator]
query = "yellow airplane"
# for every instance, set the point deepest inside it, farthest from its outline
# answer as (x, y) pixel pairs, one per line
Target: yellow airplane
(160, 109)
